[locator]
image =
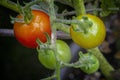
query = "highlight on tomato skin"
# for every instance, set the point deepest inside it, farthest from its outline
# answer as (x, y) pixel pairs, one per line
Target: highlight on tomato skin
(27, 34)
(95, 34)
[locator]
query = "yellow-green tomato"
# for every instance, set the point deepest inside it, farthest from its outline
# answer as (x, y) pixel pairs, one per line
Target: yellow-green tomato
(48, 59)
(93, 37)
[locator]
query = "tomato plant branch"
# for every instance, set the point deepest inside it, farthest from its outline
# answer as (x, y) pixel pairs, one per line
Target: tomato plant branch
(81, 25)
(79, 7)
(9, 4)
(6, 32)
(62, 27)
(10, 33)
(87, 10)
(105, 67)
(53, 37)
(69, 2)
(69, 21)
(28, 5)
(76, 64)
(96, 4)
(13, 6)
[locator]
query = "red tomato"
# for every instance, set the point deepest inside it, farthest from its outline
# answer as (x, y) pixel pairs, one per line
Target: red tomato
(27, 34)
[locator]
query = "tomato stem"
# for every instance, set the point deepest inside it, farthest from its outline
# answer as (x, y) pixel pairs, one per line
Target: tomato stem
(79, 7)
(28, 5)
(82, 26)
(53, 37)
(13, 6)
(10, 5)
(69, 21)
(105, 67)
(62, 27)
(25, 11)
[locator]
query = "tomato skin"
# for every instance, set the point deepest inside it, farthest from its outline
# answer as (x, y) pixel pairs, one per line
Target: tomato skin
(94, 67)
(48, 59)
(27, 34)
(95, 35)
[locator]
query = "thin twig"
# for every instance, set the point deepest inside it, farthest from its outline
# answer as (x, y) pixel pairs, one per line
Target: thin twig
(6, 32)
(87, 10)
(10, 33)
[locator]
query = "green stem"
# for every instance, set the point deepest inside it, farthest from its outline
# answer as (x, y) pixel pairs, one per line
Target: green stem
(69, 21)
(13, 6)
(96, 4)
(26, 11)
(82, 26)
(62, 27)
(32, 3)
(57, 69)
(79, 7)
(53, 37)
(105, 67)
(10, 5)
(69, 2)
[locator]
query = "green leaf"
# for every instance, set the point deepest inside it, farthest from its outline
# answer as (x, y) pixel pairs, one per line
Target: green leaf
(106, 5)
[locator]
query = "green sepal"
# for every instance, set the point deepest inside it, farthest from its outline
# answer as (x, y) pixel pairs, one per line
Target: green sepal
(46, 45)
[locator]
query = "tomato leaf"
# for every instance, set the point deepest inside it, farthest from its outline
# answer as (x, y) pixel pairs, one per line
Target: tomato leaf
(106, 5)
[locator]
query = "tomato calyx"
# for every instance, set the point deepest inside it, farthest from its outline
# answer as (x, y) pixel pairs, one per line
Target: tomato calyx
(44, 48)
(45, 45)
(90, 63)
(85, 59)
(26, 14)
(25, 11)
(86, 23)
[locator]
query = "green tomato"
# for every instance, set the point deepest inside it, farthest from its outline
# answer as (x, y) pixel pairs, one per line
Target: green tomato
(47, 57)
(91, 62)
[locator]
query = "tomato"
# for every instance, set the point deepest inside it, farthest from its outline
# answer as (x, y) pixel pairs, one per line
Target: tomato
(93, 37)
(27, 34)
(90, 68)
(47, 57)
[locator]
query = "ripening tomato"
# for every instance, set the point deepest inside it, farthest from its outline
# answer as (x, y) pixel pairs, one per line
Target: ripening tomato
(93, 37)
(27, 34)
(47, 57)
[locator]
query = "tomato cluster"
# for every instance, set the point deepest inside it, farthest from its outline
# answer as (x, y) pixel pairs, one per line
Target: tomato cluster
(27, 34)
